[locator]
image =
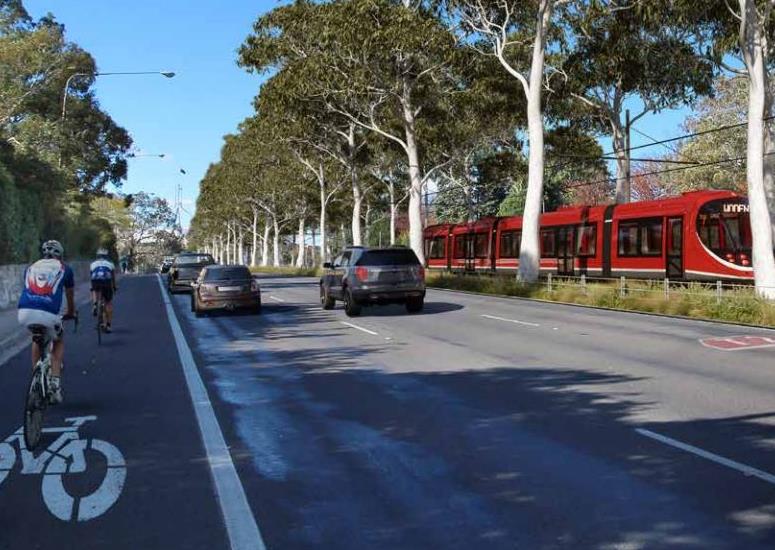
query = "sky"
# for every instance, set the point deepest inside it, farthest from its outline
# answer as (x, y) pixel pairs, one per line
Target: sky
(186, 117)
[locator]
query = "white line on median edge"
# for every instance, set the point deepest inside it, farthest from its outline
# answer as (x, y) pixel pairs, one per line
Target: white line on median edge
(276, 299)
(747, 470)
(511, 321)
(241, 526)
(367, 331)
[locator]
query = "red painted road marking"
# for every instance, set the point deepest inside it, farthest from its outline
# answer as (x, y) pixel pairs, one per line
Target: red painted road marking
(734, 343)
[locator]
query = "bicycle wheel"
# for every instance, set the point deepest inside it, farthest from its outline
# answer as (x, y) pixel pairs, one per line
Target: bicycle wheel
(34, 406)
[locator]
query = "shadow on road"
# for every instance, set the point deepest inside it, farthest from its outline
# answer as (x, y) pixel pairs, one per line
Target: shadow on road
(515, 456)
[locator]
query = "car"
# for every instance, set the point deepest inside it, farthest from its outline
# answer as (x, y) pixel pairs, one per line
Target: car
(185, 269)
(225, 287)
(166, 263)
(362, 276)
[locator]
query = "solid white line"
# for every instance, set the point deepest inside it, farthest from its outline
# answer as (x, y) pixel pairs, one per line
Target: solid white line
(511, 321)
(276, 299)
(367, 331)
(747, 470)
(241, 526)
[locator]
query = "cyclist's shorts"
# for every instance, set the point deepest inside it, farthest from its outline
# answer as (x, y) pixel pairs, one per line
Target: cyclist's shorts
(104, 287)
(28, 317)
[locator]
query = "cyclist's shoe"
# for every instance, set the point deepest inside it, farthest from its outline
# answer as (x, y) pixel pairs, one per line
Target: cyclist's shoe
(94, 310)
(108, 329)
(55, 396)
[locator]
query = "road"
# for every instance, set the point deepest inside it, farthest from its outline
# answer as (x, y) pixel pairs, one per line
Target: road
(483, 421)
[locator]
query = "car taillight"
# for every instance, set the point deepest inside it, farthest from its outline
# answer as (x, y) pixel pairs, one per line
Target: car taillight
(254, 286)
(421, 273)
(362, 273)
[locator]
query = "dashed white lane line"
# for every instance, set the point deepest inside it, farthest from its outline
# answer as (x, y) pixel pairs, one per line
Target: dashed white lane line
(729, 463)
(241, 526)
(511, 321)
(276, 299)
(367, 331)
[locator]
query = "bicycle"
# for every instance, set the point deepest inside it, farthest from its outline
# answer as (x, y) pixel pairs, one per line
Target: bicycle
(100, 316)
(39, 392)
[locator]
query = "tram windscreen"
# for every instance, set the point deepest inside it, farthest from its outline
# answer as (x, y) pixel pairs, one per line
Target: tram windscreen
(724, 228)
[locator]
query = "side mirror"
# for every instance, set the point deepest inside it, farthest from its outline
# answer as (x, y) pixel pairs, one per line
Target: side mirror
(328, 265)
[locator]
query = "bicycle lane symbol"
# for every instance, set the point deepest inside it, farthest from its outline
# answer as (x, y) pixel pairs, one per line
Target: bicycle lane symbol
(67, 455)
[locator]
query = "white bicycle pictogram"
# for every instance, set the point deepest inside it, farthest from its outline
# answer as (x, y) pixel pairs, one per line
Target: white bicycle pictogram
(67, 455)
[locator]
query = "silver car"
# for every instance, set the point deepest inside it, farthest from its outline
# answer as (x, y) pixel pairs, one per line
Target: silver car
(364, 276)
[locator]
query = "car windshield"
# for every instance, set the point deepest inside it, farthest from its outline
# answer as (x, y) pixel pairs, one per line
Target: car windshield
(227, 274)
(399, 256)
(194, 259)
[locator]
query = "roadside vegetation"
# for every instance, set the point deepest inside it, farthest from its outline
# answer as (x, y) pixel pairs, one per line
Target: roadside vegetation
(287, 270)
(696, 300)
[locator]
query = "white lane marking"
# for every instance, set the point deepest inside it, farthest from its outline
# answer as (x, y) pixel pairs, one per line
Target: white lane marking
(729, 463)
(241, 526)
(511, 321)
(367, 331)
(276, 299)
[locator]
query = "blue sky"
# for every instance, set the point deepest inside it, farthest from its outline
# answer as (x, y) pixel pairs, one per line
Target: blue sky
(186, 117)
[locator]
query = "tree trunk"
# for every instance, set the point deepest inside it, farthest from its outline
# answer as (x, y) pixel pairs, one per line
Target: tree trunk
(265, 245)
(300, 257)
(769, 151)
(276, 242)
(753, 46)
(254, 244)
(323, 203)
(228, 243)
(415, 179)
(367, 224)
(356, 185)
(530, 250)
(241, 246)
(393, 209)
(619, 137)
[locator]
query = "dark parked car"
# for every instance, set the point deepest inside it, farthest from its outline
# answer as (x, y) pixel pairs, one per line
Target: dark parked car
(185, 269)
(363, 276)
(226, 287)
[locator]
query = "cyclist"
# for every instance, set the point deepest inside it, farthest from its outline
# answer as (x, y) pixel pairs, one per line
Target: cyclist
(45, 283)
(103, 281)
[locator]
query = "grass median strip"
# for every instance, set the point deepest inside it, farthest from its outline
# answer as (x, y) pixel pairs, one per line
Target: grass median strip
(695, 300)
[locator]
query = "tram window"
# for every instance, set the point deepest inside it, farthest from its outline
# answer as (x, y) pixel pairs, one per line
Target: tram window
(548, 243)
(435, 248)
(651, 238)
(460, 246)
(628, 239)
(724, 227)
(510, 241)
(586, 240)
(481, 248)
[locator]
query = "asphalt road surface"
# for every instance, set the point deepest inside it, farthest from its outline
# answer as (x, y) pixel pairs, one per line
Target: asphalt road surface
(483, 422)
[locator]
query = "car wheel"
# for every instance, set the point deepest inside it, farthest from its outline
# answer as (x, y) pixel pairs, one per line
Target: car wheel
(414, 305)
(257, 309)
(325, 300)
(351, 307)
(193, 304)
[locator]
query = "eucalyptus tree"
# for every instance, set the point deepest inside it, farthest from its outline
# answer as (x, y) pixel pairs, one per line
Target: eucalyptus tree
(629, 52)
(518, 34)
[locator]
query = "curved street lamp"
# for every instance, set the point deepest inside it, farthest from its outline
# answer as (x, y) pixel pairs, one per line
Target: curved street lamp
(166, 74)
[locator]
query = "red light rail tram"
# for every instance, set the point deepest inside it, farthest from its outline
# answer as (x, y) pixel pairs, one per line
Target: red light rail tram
(699, 235)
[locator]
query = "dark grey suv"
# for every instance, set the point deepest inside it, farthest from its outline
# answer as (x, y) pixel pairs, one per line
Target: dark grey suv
(364, 276)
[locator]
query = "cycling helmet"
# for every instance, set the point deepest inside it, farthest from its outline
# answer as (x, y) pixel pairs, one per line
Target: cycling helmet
(102, 252)
(52, 249)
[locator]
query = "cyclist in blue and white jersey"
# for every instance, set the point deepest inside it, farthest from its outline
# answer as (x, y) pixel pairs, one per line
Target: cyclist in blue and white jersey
(103, 280)
(46, 283)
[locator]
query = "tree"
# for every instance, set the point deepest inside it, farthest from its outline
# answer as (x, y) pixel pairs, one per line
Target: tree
(503, 28)
(619, 52)
(148, 215)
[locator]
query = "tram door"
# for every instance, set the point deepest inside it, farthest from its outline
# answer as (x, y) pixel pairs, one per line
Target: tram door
(675, 239)
(565, 249)
(470, 251)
